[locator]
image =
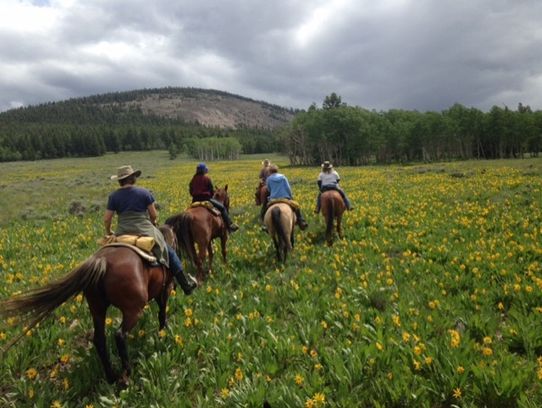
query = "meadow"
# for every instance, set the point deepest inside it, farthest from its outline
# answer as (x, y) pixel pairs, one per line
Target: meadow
(433, 299)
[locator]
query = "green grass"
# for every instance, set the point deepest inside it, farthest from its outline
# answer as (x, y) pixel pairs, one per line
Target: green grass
(431, 252)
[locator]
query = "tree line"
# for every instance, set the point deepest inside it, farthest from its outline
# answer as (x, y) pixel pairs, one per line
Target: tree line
(335, 131)
(89, 127)
(352, 135)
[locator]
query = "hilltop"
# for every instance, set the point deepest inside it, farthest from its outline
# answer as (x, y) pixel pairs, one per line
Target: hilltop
(206, 107)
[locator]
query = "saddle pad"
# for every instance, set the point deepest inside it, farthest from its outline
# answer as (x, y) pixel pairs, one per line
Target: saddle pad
(205, 204)
(147, 257)
(145, 243)
(291, 203)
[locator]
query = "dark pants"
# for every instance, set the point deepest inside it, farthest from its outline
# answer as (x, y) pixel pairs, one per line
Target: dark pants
(328, 188)
(220, 207)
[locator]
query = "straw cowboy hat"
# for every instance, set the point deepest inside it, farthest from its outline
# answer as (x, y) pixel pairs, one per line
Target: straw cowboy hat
(266, 162)
(124, 172)
(327, 165)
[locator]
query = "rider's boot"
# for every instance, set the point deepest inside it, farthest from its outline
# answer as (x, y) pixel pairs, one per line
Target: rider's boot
(176, 269)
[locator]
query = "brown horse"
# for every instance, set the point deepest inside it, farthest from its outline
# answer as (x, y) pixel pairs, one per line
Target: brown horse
(280, 220)
(261, 194)
(198, 226)
(115, 276)
(333, 208)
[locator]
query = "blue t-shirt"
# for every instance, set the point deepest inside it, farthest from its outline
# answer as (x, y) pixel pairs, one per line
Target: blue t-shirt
(278, 187)
(133, 198)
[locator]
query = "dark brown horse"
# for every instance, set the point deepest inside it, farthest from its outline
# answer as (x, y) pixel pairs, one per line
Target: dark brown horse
(261, 194)
(333, 208)
(112, 276)
(280, 220)
(198, 226)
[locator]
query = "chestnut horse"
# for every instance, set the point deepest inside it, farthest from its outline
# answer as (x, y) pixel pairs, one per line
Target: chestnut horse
(333, 208)
(199, 226)
(280, 220)
(114, 275)
(261, 194)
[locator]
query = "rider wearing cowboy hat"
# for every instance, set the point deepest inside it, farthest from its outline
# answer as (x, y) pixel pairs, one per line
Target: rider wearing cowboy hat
(137, 215)
(329, 180)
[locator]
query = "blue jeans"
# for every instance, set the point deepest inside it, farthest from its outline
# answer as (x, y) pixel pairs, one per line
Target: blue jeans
(175, 265)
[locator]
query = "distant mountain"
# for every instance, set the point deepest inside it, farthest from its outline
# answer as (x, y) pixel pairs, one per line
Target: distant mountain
(179, 119)
(205, 107)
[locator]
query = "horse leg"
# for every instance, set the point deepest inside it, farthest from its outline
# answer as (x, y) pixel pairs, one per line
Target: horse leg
(200, 258)
(162, 303)
(223, 240)
(129, 320)
(339, 227)
(210, 254)
(98, 311)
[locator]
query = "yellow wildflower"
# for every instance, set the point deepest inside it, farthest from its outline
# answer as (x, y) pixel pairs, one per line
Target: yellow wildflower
(457, 393)
(31, 373)
(299, 379)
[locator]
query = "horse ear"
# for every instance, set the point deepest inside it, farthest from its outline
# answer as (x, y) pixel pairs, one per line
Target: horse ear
(226, 187)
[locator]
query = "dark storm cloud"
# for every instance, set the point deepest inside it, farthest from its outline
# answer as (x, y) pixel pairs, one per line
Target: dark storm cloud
(423, 55)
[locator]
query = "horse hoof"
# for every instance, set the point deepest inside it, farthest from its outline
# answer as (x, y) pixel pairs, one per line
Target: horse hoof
(123, 381)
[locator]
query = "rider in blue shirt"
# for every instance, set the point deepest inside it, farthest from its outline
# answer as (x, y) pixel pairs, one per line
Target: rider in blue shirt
(279, 188)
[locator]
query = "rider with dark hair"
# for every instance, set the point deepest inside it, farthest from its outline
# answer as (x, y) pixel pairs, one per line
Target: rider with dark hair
(201, 189)
(279, 188)
(137, 215)
(328, 179)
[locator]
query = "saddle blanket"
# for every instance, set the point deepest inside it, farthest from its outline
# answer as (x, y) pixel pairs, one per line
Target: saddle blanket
(294, 204)
(205, 204)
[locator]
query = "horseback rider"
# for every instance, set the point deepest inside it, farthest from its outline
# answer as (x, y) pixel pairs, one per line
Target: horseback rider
(329, 180)
(137, 215)
(264, 172)
(201, 189)
(279, 188)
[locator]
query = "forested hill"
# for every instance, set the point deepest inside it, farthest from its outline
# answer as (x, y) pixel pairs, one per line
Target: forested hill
(174, 118)
(189, 105)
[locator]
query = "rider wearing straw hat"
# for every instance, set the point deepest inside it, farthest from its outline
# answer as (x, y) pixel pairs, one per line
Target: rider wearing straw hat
(137, 215)
(329, 180)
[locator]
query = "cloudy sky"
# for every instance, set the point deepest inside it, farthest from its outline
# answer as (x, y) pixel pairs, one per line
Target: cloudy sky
(378, 54)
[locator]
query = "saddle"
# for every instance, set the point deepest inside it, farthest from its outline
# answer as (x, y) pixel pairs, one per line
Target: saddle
(140, 245)
(205, 204)
(293, 204)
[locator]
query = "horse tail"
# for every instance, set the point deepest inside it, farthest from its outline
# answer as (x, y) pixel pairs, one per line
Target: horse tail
(180, 224)
(187, 239)
(276, 219)
(330, 214)
(39, 303)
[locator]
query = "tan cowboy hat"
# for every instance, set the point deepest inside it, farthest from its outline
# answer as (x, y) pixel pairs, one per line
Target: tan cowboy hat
(125, 171)
(327, 165)
(266, 162)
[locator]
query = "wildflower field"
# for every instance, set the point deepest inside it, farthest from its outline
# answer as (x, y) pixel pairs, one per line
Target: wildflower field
(433, 299)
